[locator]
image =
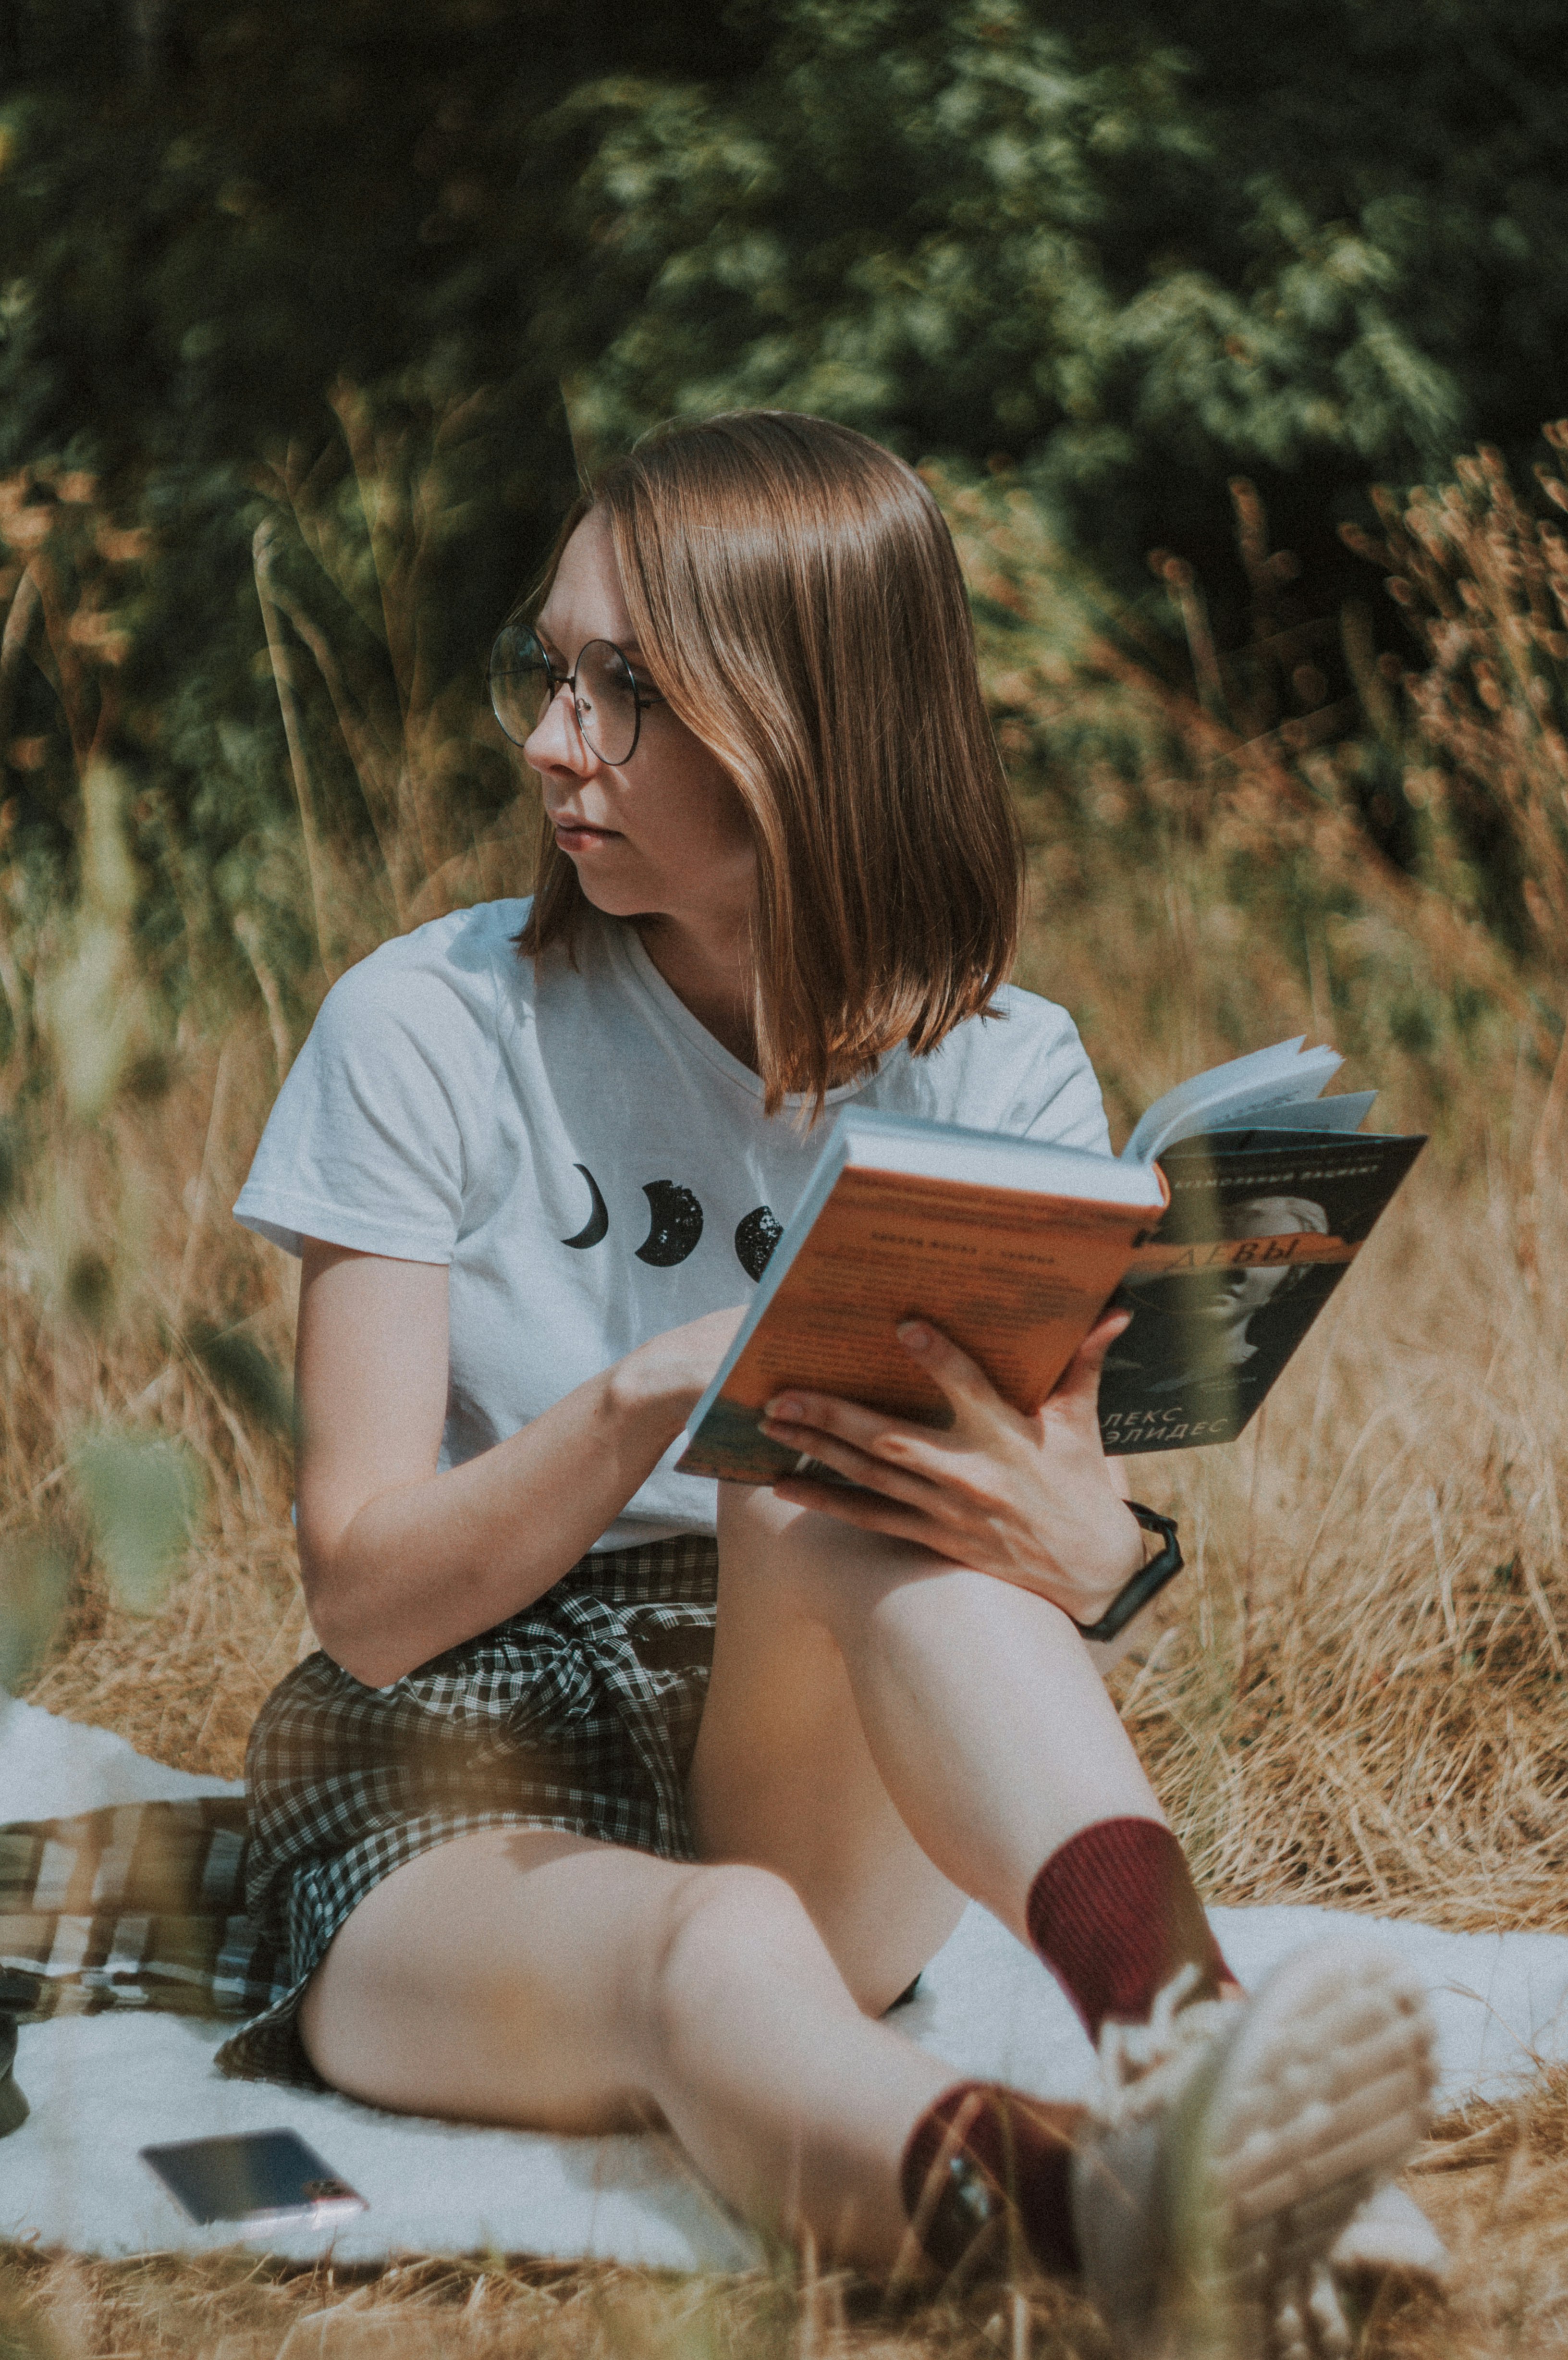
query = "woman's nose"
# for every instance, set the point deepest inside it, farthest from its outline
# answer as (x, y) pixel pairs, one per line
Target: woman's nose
(556, 743)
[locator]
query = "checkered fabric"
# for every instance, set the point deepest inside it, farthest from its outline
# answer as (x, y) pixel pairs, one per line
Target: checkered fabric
(139, 1906)
(579, 1714)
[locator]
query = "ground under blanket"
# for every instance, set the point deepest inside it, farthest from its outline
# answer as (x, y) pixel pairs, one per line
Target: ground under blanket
(102, 2087)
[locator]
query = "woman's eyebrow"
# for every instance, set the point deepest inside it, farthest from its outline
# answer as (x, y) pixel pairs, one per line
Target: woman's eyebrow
(543, 631)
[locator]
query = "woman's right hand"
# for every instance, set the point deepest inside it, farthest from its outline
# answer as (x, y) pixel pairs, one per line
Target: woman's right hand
(673, 1371)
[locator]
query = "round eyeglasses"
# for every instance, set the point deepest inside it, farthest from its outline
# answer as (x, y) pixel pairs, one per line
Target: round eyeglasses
(606, 696)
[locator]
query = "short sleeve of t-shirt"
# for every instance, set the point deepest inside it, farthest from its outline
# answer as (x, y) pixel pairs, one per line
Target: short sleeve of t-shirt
(1020, 1071)
(1068, 1109)
(366, 1144)
(1074, 1114)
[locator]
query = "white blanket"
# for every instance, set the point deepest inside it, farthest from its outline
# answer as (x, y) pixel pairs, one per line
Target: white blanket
(100, 2087)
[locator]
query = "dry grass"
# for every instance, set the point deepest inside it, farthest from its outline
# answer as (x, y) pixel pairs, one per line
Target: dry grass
(183, 1683)
(1357, 1699)
(1495, 2181)
(1358, 1694)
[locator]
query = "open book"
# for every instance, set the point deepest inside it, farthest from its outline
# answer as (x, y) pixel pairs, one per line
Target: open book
(1227, 1221)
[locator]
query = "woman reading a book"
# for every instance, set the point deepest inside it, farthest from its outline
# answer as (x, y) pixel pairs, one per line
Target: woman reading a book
(610, 1802)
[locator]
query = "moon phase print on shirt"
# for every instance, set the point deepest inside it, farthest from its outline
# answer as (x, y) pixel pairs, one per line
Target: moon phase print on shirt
(677, 1224)
(596, 1227)
(754, 1239)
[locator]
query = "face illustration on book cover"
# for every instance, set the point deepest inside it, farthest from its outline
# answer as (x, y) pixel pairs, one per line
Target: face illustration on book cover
(1212, 1310)
(1261, 1230)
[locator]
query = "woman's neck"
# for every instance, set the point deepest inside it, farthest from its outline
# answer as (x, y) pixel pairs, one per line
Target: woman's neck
(710, 976)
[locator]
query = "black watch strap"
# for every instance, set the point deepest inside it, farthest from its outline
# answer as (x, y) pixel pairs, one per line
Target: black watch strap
(1144, 1585)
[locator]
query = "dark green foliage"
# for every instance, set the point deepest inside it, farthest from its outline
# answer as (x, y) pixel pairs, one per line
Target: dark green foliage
(1134, 246)
(90, 1287)
(1130, 248)
(1127, 249)
(207, 225)
(247, 1376)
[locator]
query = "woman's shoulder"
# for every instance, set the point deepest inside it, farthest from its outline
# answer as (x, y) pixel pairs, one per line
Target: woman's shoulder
(390, 1105)
(464, 950)
(1018, 1034)
(1020, 1067)
(1031, 1017)
(452, 973)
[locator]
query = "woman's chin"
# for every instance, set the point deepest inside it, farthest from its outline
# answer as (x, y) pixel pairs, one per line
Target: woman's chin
(616, 897)
(601, 886)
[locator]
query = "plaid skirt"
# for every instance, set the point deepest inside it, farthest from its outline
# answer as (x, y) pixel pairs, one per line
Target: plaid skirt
(579, 1714)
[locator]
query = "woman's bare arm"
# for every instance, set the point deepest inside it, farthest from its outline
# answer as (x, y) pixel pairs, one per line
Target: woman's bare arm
(400, 1562)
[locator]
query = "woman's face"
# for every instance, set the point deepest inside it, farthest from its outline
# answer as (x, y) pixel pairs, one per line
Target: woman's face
(665, 834)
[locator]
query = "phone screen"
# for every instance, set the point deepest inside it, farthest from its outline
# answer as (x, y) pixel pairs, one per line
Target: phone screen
(263, 2179)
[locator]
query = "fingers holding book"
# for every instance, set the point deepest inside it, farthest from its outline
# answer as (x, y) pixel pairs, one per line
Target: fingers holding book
(1032, 1499)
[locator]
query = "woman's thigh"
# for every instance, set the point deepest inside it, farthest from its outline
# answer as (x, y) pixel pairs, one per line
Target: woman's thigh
(499, 1978)
(782, 1775)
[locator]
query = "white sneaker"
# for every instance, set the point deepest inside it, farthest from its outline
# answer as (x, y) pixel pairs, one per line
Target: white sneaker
(1390, 2233)
(1233, 2141)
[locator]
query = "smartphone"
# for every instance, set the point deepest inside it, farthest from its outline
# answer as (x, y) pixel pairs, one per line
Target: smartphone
(261, 2180)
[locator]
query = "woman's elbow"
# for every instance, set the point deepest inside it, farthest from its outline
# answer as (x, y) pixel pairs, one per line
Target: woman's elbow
(343, 1652)
(358, 1652)
(343, 1632)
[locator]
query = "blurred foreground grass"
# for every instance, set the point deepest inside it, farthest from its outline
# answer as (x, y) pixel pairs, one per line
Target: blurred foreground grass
(1358, 1695)
(1495, 2181)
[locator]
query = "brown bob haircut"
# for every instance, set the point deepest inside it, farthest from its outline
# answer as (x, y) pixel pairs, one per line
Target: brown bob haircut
(796, 593)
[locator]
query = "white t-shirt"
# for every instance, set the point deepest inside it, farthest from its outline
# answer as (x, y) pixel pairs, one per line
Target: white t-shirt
(593, 1167)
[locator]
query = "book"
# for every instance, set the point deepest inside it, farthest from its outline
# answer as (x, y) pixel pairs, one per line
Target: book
(1226, 1221)
(1263, 1223)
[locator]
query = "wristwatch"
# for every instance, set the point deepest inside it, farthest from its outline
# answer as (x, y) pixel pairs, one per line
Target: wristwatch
(1145, 1584)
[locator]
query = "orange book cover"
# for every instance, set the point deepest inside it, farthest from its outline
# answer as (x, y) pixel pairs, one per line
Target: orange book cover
(1014, 1276)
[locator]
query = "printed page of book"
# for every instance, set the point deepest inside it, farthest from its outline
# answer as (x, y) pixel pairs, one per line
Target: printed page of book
(1261, 1228)
(1015, 1279)
(1287, 1073)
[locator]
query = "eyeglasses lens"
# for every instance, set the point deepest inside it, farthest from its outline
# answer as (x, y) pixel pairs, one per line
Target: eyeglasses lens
(606, 701)
(519, 682)
(522, 681)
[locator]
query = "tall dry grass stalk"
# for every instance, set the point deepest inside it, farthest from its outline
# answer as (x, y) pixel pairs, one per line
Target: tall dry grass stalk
(1360, 1698)
(1356, 1694)
(365, 543)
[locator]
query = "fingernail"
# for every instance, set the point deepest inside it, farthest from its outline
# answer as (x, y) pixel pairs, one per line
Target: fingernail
(915, 1335)
(785, 1407)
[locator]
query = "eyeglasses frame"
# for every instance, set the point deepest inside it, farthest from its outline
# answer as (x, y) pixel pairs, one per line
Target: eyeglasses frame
(568, 680)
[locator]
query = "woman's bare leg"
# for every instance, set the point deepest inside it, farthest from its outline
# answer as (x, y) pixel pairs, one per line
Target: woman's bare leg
(884, 1735)
(891, 1732)
(562, 1985)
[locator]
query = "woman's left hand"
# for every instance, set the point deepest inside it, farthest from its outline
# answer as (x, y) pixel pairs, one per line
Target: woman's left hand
(1031, 1500)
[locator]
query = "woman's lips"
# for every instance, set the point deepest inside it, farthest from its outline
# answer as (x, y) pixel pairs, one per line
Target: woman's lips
(576, 836)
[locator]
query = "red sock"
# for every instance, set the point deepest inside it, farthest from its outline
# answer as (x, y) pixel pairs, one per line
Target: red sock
(984, 2159)
(1114, 1914)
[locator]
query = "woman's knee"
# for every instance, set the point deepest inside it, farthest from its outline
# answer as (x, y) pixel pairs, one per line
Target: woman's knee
(796, 1563)
(723, 1928)
(501, 1977)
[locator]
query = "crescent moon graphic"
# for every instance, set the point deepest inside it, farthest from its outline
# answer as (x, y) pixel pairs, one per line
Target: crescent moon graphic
(676, 1227)
(595, 1227)
(755, 1237)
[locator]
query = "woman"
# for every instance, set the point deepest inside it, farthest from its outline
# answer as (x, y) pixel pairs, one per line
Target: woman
(532, 1862)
